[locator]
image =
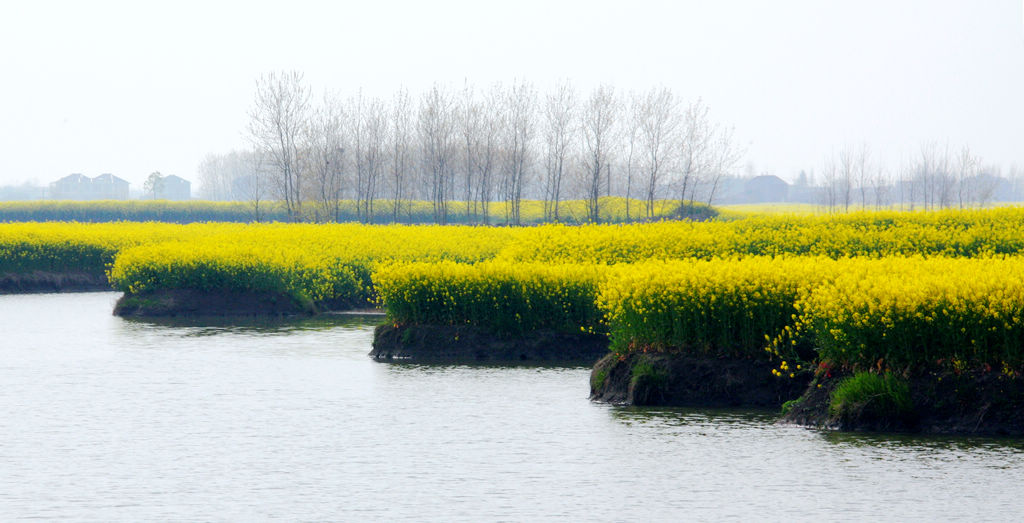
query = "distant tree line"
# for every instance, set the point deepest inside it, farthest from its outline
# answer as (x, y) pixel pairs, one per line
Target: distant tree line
(936, 177)
(463, 150)
(416, 212)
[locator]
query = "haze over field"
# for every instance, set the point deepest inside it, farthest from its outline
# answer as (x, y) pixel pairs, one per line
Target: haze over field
(128, 88)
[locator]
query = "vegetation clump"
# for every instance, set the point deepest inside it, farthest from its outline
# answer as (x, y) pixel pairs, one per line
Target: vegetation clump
(869, 397)
(916, 314)
(506, 298)
(717, 308)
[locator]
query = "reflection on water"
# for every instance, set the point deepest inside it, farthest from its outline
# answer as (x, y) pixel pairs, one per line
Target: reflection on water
(211, 325)
(666, 416)
(926, 442)
(986, 452)
(113, 420)
(762, 418)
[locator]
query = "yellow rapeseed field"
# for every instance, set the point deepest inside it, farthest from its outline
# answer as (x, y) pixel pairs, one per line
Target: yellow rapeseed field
(866, 289)
(896, 313)
(505, 297)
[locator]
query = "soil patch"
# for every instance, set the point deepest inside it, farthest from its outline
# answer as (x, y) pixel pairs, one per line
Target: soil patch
(969, 403)
(184, 302)
(468, 344)
(43, 281)
(690, 381)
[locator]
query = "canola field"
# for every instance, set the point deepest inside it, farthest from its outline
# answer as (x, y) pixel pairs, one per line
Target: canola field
(611, 209)
(866, 290)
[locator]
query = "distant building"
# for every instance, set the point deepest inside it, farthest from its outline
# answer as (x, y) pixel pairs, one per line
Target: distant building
(765, 188)
(80, 187)
(109, 187)
(71, 187)
(174, 187)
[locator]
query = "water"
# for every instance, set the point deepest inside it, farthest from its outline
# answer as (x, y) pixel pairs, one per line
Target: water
(111, 420)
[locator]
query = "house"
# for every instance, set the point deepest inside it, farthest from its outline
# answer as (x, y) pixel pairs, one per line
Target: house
(71, 187)
(109, 187)
(765, 188)
(174, 187)
(77, 186)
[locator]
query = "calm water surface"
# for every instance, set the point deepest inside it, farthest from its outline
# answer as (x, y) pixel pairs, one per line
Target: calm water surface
(111, 420)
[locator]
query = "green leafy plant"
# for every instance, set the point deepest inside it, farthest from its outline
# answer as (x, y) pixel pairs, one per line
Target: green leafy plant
(871, 395)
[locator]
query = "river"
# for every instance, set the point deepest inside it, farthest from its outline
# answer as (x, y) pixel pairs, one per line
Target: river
(105, 419)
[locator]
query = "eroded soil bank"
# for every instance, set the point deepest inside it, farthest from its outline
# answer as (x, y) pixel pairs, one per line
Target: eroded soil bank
(43, 281)
(468, 344)
(969, 403)
(689, 381)
(183, 302)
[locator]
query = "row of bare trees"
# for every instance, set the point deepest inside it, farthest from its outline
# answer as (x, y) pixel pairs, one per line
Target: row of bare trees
(470, 147)
(936, 177)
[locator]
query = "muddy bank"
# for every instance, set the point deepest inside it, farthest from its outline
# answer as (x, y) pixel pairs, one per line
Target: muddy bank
(689, 381)
(467, 344)
(969, 403)
(183, 302)
(43, 281)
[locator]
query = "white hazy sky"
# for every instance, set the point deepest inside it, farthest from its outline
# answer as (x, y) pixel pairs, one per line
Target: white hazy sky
(133, 87)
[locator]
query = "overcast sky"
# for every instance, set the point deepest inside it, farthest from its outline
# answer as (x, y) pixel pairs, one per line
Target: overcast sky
(129, 88)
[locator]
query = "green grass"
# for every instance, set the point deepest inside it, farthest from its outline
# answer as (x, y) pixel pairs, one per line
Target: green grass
(599, 379)
(645, 372)
(871, 395)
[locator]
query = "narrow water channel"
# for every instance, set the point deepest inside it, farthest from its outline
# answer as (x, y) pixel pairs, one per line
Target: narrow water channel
(113, 420)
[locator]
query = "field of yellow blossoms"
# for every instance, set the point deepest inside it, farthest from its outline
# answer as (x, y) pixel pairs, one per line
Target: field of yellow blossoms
(883, 290)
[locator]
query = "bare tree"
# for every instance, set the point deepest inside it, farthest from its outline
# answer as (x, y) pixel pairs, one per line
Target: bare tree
(725, 156)
(215, 177)
(597, 124)
(470, 121)
(933, 176)
(370, 125)
(559, 133)
(966, 175)
(830, 192)
(478, 147)
(324, 155)
(225, 176)
(401, 141)
(254, 185)
(276, 123)
(880, 184)
(906, 187)
(519, 130)
(707, 154)
(631, 138)
(436, 130)
(374, 155)
(862, 168)
(986, 183)
(847, 168)
(695, 151)
(659, 121)
(489, 148)
(1015, 177)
